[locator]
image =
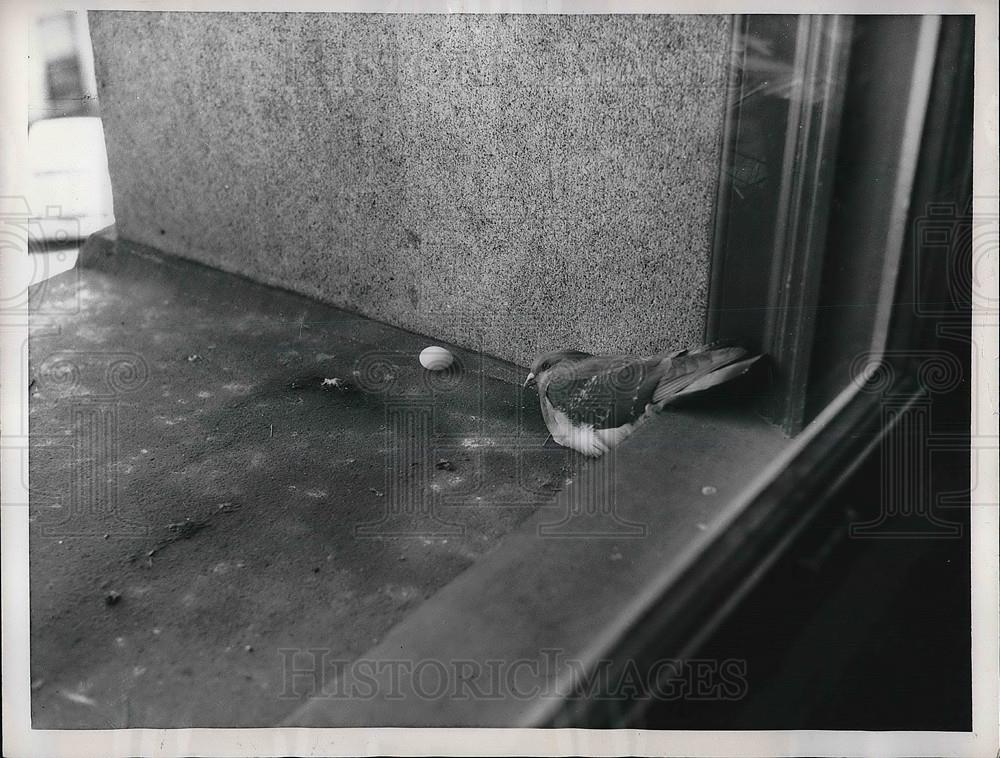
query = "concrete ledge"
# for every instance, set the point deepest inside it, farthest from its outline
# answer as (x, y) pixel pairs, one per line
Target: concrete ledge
(515, 632)
(223, 472)
(255, 516)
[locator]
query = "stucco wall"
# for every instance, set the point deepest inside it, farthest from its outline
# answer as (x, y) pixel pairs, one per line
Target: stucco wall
(514, 183)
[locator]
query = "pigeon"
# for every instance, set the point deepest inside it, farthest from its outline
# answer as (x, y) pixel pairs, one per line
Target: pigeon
(591, 403)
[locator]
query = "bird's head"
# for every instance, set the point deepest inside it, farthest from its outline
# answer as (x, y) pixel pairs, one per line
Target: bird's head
(548, 361)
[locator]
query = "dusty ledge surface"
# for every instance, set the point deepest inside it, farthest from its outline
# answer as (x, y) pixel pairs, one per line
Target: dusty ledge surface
(240, 494)
(224, 472)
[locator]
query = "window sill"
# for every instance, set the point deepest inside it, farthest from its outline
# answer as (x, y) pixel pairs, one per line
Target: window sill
(564, 588)
(533, 604)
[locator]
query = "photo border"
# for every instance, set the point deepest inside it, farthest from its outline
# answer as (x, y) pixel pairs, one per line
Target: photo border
(20, 740)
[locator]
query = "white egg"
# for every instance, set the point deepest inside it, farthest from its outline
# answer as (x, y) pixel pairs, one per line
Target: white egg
(436, 358)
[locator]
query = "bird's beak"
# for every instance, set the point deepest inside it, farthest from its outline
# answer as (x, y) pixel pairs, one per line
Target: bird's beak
(529, 381)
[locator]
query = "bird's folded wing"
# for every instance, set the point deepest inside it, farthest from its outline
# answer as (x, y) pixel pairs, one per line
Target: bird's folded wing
(720, 376)
(604, 392)
(700, 371)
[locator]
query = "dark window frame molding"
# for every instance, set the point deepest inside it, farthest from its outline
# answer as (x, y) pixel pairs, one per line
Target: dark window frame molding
(779, 226)
(804, 124)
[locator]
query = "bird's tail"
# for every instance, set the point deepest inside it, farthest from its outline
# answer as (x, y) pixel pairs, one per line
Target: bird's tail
(701, 369)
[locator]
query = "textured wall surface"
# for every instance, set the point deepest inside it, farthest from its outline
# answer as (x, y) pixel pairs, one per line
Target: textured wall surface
(514, 183)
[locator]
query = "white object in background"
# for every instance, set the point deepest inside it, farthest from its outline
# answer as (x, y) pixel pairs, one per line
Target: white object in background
(70, 193)
(436, 358)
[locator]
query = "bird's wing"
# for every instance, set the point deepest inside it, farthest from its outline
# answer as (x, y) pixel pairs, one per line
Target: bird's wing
(604, 392)
(699, 370)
